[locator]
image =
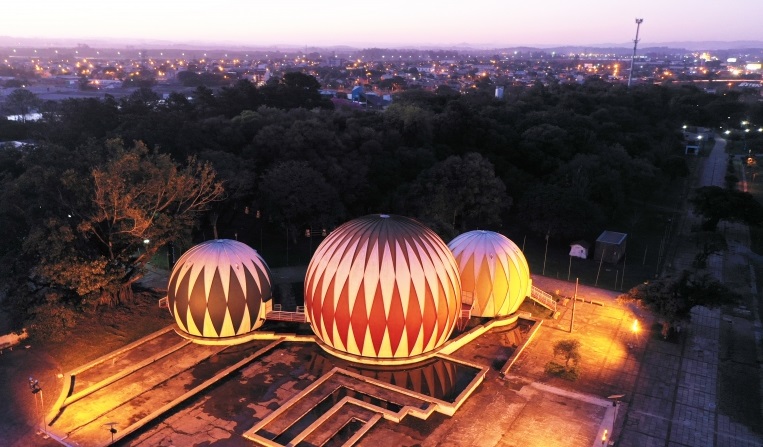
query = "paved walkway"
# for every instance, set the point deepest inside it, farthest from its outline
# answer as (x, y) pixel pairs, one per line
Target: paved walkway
(676, 398)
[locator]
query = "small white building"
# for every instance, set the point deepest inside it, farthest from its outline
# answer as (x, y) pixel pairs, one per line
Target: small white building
(579, 249)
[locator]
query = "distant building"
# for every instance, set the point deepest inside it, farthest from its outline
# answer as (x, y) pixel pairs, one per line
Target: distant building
(610, 247)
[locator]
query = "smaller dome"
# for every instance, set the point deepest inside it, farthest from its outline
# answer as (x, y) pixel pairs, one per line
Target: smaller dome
(216, 289)
(494, 270)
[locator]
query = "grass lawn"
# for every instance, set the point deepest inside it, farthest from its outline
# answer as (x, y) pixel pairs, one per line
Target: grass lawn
(106, 329)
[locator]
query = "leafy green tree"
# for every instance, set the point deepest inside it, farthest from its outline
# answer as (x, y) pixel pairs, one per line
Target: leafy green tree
(559, 212)
(72, 122)
(294, 90)
(715, 204)
(296, 195)
(414, 123)
(568, 350)
(132, 204)
(459, 193)
(21, 102)
(672, 299)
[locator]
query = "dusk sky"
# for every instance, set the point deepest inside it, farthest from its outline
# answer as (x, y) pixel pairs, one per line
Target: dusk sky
(387, 23)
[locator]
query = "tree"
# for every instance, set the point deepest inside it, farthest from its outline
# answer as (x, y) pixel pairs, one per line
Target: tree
(563, 213)
(21, 102)
(672, 299)
(295, 194)
(569, 350)
(131, 205)
(294, 90)
(72, 122)
(460, 192)
(715, 204)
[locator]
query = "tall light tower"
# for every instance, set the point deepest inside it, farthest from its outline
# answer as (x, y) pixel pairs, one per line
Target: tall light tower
(635, 44)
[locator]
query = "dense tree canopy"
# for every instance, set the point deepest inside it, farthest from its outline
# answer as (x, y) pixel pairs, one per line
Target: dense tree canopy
(715, 204)
(557, 160)
(90, 229)
(672, 299)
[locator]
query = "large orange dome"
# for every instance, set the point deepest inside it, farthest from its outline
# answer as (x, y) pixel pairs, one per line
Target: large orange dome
(383, 287)
(494, 271)
(216, 289)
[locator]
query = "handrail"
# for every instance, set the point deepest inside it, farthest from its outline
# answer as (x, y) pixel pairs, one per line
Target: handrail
(542, 298)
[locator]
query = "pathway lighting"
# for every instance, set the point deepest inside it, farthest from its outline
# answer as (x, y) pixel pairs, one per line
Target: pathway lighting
(36, 389)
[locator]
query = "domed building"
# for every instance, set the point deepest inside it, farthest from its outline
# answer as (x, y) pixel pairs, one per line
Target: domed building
(494, 272)
(217, 288)
(382, 289)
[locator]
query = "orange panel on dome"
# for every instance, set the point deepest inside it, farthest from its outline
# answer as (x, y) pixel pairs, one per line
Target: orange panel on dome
(397, 288)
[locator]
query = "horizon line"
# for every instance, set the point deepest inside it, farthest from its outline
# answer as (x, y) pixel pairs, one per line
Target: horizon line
(178, 44)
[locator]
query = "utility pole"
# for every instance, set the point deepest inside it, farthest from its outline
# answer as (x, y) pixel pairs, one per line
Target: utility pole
(635, 44)
(574, 298)
(545, 254)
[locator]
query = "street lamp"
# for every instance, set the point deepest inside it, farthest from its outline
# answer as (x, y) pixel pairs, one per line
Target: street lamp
(34, 386)
(309, 233)
(545, 254)
(112, 430)
(258, 215)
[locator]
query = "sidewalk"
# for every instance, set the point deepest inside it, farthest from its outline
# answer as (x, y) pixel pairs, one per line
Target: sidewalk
(677, 397)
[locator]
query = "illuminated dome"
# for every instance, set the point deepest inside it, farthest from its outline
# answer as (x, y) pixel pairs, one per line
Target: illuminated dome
(494, 272)
(382, 287)
(216, 289)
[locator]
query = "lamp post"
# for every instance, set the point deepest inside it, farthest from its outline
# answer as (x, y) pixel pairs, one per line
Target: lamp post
(112, 430)
(545, 254)
(34, 386)
(257, 216)
(309, 233)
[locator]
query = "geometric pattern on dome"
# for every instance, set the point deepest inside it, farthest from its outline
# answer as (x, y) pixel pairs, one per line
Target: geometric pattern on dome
(216, 289)
(494, 269)
(383, 286)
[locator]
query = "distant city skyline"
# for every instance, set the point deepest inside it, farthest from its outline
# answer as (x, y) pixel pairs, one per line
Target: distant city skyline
(489, 23)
